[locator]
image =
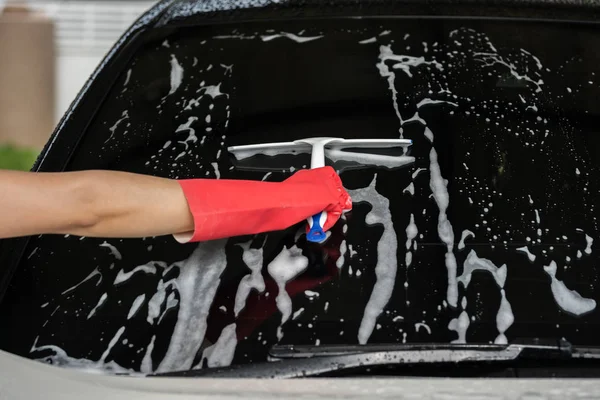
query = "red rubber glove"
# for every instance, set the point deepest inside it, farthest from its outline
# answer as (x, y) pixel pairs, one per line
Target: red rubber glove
(226, 208)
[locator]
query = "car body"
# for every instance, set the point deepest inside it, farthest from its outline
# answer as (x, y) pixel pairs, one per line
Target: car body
(487, 239)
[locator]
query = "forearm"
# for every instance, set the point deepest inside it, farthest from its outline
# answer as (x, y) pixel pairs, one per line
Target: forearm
(120, 204)
(91, 203)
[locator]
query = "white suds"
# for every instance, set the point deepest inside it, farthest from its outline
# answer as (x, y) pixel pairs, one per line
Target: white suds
(156, 301)
(113, 250)
(32, 253)
(286, 266)
(221, 353)
(404, 63)
(589, 242)
(427, 101)
(298, 313)
(62, 359)
(291, 36)
(568, 300)
(172, 302)
(253, 258)
(191, 132)
(112, 343)
(135, 306)
(411, 233)
(460, 326)
(466, 233)
(417, 172)
(474, 263)
(387, 262)
(127, 78)
(343, 248)
(146, 366)
(92, 274)
(112, 129)
(419, 325)
(445, 232)
(369, 40)
(176, 74)
(149, 268)
(351, 251)
(198, 280)
(100, 304)
(525, 250)
(504, 319)
(368, 159)
(491, 59)
(216, 168)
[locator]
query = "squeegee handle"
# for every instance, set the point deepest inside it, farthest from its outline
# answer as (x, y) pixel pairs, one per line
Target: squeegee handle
(316, 232)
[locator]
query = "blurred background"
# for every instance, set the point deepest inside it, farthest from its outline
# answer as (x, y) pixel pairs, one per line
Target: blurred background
(48, 49)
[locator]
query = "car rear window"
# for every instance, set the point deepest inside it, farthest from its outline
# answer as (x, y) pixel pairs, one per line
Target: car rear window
(488, 237)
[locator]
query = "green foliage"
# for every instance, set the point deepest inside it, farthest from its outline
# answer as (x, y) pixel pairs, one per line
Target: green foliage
(17, 158)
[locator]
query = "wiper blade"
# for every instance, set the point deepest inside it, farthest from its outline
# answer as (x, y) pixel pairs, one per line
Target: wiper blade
(423, 352)
(292, 361)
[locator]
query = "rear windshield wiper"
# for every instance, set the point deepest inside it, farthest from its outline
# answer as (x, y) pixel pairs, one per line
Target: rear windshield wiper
(289, 361)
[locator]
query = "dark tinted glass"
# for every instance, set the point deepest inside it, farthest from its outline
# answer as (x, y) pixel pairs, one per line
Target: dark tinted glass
(488, 236)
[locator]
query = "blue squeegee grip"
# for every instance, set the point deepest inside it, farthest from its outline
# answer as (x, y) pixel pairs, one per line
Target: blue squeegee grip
(316, 234)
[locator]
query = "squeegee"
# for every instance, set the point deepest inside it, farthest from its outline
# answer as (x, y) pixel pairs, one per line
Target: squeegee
(334, 149)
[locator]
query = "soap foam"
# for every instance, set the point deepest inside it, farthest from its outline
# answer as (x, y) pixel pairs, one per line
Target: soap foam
(146, 366)
(504, 319)
(176, 74)
(589, 243)
(198, 280)
(135, 306)
(460, 326)
(113, 129)
(113, 250)
(192, 138)
(253, 258)
(465, 234)
(286, 266)
(474, 263)
(568, 300)
(343, 248)
(92, 274)
(221, 353)
(387, 262)
(62, 359)
(525, 250)
(445, 232)
(100, 304)
(411, 233)
(149, 268)
(291, 36)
